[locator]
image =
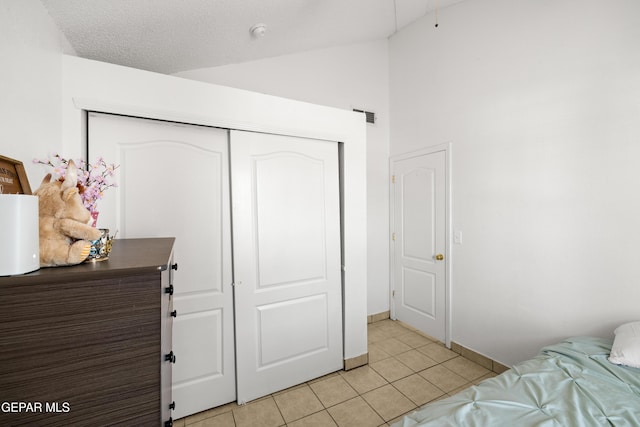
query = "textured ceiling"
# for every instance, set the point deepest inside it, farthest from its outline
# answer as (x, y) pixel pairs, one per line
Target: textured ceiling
(169, 36)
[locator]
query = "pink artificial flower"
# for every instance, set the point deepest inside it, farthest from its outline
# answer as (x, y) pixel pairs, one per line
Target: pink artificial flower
(92, 180)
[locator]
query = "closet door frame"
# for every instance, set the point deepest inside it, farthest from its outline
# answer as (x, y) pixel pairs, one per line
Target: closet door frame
(97, 86)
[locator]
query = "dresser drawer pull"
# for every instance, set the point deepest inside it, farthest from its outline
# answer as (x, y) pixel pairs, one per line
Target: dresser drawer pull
(170, 357)
(169, 290)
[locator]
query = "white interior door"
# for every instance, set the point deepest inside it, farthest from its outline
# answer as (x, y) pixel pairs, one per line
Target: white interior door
(286, 245)
(174, 181)
(419, 226)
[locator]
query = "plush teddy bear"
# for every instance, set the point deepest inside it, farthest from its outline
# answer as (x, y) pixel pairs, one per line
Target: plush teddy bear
(64, 231)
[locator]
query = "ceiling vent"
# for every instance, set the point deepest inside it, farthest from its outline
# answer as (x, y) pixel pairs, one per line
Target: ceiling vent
(370, 116)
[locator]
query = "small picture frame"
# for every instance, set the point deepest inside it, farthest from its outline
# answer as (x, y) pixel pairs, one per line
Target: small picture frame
(13, 178)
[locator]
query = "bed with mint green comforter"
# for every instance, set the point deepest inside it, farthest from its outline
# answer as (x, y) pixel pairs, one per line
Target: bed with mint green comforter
(569, 384)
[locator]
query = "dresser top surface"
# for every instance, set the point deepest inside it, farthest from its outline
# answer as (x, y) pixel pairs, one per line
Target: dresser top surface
(128, 256)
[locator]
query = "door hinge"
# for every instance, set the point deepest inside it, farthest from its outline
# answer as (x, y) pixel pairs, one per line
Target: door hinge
(393, 236)
(393, 179)
(393, 294)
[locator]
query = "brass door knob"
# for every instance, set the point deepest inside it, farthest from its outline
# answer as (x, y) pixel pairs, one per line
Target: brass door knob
(439, 257)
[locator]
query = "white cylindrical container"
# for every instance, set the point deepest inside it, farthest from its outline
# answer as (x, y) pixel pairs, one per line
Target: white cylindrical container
(19, 234)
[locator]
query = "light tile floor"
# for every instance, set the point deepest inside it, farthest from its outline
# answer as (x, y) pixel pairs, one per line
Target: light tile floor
(406, 370)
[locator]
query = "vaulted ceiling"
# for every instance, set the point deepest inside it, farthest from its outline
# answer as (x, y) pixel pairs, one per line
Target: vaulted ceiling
(169, 36)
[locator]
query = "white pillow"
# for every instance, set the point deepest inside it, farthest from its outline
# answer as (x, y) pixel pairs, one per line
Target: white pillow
(626, 345)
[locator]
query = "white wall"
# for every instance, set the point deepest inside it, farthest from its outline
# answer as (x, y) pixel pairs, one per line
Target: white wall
(345, 77)
(540, 100)
(30, 76)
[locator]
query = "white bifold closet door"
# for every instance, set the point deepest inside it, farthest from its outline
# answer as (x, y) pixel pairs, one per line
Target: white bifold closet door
(287, 274)
(285, 326)
(174, 181)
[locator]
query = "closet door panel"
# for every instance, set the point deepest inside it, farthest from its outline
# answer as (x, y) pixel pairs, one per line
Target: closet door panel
(173, 181)
(289, 219)
(288, 293)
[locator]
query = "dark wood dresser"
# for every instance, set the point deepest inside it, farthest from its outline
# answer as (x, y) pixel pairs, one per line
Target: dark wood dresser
(90, 345)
